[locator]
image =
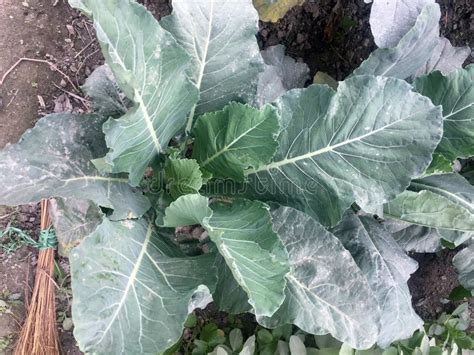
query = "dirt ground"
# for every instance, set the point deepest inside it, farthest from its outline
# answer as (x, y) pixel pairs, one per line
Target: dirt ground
(329, 35)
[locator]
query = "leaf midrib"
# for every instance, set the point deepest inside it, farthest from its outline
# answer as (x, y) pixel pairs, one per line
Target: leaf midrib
(320, 151)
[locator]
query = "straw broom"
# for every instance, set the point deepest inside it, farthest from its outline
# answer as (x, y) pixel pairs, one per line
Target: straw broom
(39, 335)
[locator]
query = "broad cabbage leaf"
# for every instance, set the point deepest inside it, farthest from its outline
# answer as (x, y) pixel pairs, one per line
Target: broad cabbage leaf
(387, 269)
(150, 68)
(455, 93)
(326, 291)
(132, 289)
(234, 139)
(443, 201)
(337, 148)
(412, 52)
(53, 159)
(220, 39)
(242, 232)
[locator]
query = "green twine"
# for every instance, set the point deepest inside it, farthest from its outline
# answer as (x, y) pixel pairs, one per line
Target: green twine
(47, 239)
(11, 239)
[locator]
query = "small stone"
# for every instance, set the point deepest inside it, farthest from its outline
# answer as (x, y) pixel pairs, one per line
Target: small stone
(63, 83)
(67, 324)
(32, 219)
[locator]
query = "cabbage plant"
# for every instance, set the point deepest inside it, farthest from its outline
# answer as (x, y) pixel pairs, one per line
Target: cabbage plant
(195, 129)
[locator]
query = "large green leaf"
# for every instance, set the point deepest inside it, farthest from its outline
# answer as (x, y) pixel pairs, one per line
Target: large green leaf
(440, 201)
(229, 296)
(326, 291)
(464, 264)
(455, 93)
(421, 239)
(220, 39)
(412, 52)
(234, 139)
(387, 269)
(414, 238)
(73, 220)
(362, 144)
(242, 232)
(131, 289)
(150, 68)
(53, 159)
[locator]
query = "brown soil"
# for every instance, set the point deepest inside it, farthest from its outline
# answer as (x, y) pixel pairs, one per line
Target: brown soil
(432, 283)
(333, 36)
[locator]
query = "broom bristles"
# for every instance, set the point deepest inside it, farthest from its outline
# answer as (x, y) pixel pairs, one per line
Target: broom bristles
(39, 335)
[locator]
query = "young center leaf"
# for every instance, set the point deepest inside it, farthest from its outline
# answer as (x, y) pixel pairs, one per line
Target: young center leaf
(220, 39)
(455, 93)
(337, 148)
(411, 53)
(234, 139)
(183, 176)
(131, 289)
(326, 291)
(440, 201)
(242, 232)
(150, 68)
(387, 269)
(53, 159)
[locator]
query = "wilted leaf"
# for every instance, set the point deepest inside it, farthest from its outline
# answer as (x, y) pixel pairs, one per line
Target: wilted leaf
(73, 220)
(387, 269)
(131, 289)
(53, 159)
(322, 78)
(273, 10)
(107, 98)
(326, 291)
(234, 139)
(281, 73)
(220, 39)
